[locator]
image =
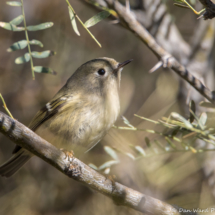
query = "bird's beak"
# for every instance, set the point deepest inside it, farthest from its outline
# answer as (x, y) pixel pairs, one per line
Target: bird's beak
(121, 65)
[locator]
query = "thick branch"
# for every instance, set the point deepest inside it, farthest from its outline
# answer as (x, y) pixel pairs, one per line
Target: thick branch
(74, 168)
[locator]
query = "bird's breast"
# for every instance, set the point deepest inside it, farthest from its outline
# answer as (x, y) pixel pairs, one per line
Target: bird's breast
(80, 125)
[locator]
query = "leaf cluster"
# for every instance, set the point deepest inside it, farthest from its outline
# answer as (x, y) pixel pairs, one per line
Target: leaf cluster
(13, 25)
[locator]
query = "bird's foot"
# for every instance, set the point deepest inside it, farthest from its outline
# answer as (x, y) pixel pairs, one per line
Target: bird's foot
(112, 179)
(68, 154)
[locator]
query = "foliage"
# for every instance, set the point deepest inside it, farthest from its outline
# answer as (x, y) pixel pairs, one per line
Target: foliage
(179, 134)
(13, 26)
(89, 23)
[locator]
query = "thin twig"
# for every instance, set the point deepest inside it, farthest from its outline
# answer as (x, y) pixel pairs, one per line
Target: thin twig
(5, 106)
(27, 38)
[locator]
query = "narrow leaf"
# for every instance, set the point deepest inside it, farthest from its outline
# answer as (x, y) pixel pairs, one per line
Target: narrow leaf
(14, 3)
(97, 18)
(40, 26)
(207, 104)
(170, 143)
(17, 20)
(182, 119)
(192, 149)
(141, 117)
(127, 122)
(18, 45)
(130, 155)
(41, 69)
(93, 166)
(36, 42)
(192, 107)
(140, 150)
(179, 1)
(108, 164)
(111, 152)
(11, 27)
(203, 118)
(43, 54)
(181, 5)
(23, 59)
(147, 142)
(73, 21)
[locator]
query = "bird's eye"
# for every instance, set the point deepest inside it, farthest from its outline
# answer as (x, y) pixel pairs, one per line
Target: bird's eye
(101, 72)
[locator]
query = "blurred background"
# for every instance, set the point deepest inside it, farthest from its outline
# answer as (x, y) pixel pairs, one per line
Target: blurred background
(181, 178)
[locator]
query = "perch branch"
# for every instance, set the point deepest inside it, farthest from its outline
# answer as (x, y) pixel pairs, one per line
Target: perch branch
(77, 170)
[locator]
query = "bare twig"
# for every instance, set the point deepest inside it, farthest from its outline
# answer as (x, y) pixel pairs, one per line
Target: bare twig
(74, 168)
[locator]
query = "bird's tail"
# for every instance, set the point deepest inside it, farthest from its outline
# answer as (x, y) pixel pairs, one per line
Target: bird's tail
(14, 163)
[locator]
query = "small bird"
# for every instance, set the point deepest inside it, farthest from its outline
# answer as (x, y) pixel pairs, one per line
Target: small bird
(80, 114)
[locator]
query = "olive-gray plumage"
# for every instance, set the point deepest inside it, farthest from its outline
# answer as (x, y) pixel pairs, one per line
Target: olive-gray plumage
(80, 114)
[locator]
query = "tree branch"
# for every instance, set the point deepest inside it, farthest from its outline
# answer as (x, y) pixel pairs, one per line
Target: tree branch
(77, 170)
(209, 9)
(128, 20)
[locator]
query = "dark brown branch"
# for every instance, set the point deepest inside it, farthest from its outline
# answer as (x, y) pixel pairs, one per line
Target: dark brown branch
(129, 21)
(209, 9)
(74, 168)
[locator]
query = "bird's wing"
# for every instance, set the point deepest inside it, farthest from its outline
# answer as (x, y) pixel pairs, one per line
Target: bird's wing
(49, 110)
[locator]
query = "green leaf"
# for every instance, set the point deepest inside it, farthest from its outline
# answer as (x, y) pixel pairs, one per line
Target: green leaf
(11, 27)
(36, 42)
(43, 54)
(130, 155)
(170, 143)
(18, 45)
(127, 122)
(93, 166)
(17, 20)
(147, 142)
(207, 104)
(14, 3)
(192, 109)
(23, 59)
(73, 22)
(40, 26)
(181, 5)
(108, 164)
(179, 1)
(182, 119)
(203, 118)
(111, 152)
(140, 150)
(97, 18)
(41, 69)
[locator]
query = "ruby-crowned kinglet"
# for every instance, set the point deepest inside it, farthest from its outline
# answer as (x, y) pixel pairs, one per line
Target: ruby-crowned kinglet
(80, 114)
